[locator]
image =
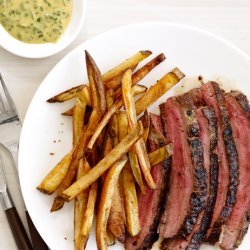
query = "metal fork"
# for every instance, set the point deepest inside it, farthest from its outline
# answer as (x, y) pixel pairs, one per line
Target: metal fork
(10, 126)
(10, 129)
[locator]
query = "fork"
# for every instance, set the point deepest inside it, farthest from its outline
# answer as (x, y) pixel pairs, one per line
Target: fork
(10, 129)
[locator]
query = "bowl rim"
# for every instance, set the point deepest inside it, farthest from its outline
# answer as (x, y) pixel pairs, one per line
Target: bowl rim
(44, 50)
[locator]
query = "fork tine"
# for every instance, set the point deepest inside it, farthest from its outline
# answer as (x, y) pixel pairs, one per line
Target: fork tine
(9, 100)
(2, 107)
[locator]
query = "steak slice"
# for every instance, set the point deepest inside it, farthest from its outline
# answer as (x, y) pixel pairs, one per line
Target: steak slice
(228, 163)
(208, 135)
(187, 191)
(237, 224)
(151, 204)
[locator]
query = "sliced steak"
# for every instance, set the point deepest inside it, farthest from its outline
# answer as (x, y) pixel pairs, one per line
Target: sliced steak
(186, 197)
(151, 204)
(236, 226)
(208, 135)
(228, 161)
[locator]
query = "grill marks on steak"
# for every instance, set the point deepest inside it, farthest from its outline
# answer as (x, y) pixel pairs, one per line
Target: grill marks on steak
(186, 198)
(152, 202)
(198, 196)
(208, 134)
(181, 176)
(228, 163)
(236, 226)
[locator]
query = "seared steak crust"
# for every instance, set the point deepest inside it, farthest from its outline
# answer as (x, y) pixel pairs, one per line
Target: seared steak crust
(242, 100)
(198, 195)
(236, 226)
(233, 163)
(198, 236)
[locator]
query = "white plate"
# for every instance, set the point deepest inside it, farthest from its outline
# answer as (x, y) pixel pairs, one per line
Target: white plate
(47, 49)
(194, 51)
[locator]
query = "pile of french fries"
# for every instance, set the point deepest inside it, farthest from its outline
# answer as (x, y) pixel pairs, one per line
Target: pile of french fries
(108, 161)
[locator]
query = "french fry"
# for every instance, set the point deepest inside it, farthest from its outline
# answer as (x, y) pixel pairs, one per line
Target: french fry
(160, 154)
(78, 153)
(80, 206)
(110, 238)
(111, 111)
(96, 85)
(130, 200)
(128, 63)
(99, 107)
(135, 167)
(146, 125)
(123, 129)
(69, 112)
(129, 189)
(158, 89)
(140, 147)
(143, 71)
(66, 95)
(139, 74)
(137, 90)
(106, 202)
(106, 118)
(89, 213)
(117, 152)
(78, 119)
(55, 177)
(116, 220)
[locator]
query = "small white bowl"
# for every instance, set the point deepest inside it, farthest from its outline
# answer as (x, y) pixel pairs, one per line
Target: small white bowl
(47, 49)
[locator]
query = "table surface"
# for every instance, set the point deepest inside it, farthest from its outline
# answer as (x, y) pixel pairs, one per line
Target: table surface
(229, 19)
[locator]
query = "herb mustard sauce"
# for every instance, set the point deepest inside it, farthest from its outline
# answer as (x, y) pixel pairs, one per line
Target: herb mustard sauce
(35, 21)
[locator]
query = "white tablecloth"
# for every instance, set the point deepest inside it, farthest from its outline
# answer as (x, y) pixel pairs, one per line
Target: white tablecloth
(229, 19)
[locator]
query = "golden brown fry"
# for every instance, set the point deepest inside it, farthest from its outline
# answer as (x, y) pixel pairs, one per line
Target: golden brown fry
(116, 220)
(109, 97)
(112, 77)
(130, 200)
(146, 125)
(96, 85)
(158, 89)
(135, 167)
(122, 125)
(129, 189)
(160, 154)
(128, 63)
(55, 177)
(80, 206)
(110, 238)
(140, 147)
(143, 71)
(106, 118)
(78, 119)
(66, 95)
(139, 74)
(78, 153)
(121, 149)
(123, 128)
(89, 213)
(101, 125)
(106, 202)
(137, 90)
(69, 112)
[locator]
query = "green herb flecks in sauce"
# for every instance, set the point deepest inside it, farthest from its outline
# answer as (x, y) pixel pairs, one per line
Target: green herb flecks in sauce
(35, 21)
